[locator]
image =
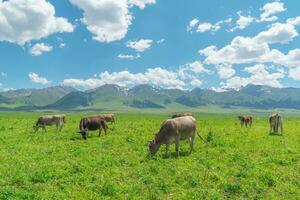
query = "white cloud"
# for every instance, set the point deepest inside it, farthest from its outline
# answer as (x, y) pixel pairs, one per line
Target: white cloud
(39, 48)
(197, 67)
(22, 21)
(196, 82)
(141, 3)
(277, 33)
(258, 76)
(154, 76)
(256, 49)
(62, 45)
(160, 41)
(108, 20)
(3, 74)
(226, 71)
(294, 21)
(270, 9)
(38, 79)
(206, 26)
(294, 73)
(192, 24)
(140, 45)
(242, 22)
(129, 57)
(203, 27)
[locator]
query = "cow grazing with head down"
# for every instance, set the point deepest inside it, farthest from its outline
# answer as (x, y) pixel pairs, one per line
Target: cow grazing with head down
(172, 131)
(109, 118)
(245, 119)
(92, 123)
(275, 121)
(48, 120)
(182, 114)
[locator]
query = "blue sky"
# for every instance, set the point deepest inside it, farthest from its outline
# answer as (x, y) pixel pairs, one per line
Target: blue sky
(217, 44)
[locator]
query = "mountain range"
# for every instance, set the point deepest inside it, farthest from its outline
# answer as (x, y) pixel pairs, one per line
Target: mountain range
(113, 97)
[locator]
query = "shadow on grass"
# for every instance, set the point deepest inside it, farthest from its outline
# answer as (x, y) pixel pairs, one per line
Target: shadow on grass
(173, 155)
(275, 134)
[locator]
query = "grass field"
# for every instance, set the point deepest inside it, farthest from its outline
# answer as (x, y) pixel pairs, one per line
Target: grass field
(235, 164)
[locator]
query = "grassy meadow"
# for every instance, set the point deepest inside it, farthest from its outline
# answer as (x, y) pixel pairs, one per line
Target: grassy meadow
(235, 163)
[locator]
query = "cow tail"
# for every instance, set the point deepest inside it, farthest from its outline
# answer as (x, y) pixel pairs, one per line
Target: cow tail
(201, 137)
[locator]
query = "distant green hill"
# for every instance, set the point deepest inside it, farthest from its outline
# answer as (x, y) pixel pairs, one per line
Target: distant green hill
(37, 97)
(113, 97)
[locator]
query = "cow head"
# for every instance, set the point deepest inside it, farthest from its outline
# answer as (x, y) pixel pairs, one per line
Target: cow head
(64, 119)
(153, 147)
(83, 134)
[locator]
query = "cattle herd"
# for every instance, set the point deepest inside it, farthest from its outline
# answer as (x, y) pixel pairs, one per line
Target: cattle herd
(181, 126)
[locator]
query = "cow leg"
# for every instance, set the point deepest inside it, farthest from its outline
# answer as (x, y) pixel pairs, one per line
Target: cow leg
(44, 128)
(191, 140)
(177, 146)
(167, 149)
(271, 128)
(36, 128)
(281, 128)
(100, 130)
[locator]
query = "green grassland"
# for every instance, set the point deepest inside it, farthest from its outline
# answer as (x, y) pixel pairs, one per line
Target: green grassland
(235, 163)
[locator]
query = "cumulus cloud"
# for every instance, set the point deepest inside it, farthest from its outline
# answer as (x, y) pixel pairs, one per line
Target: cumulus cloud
(140, 45)
(197, 67)
(242, 22)
(22, 21)
(185, 77)
(294, 73)
(141, 3)
(270, 9)
(206, 26)
(277, 33)
(39, 48)
(256, 49)
(62, 45)
(38, 79)
(128, 57)
(192, 24)
(108, 20)
(225, 71)
(154, 76)
(259, 75)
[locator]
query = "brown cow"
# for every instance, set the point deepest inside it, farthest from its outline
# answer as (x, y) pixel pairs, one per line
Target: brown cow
(275, 121)
(174, 130)
(182, 114)
(245, 119)
(109, 117)
(92, 123)
(48, 120)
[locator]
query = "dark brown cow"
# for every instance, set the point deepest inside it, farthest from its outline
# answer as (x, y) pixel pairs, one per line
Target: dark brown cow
(92, 123)
(182, 114)
(245, 119)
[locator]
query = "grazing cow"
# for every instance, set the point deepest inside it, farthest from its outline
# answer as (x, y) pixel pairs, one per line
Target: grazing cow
(109, 118)
(245, 119)
(182, 114)
(275, 121)
(92, 123)
(48, 120)
(174, 130)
